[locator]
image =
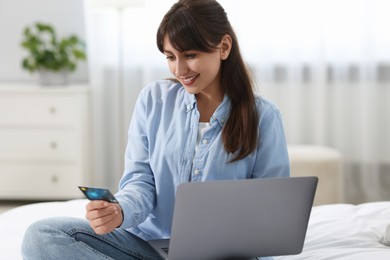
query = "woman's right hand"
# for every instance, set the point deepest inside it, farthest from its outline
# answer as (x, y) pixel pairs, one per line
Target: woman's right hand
(104, 216)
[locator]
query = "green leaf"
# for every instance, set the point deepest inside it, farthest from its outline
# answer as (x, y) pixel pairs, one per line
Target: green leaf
(46, 51)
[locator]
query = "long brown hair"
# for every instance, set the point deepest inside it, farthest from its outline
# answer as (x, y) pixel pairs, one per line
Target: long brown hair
(200, 25)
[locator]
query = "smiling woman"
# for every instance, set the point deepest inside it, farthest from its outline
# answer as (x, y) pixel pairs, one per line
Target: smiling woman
(243, 138)
(199, 72)
(310, 65)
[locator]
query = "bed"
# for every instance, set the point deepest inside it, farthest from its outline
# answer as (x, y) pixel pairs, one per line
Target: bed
(335, 231)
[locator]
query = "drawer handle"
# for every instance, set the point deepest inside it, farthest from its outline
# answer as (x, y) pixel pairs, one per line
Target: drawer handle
(54, 179)
(52, 110)
(53, 145)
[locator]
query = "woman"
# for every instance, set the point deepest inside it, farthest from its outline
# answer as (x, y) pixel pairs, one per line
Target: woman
(206, 124)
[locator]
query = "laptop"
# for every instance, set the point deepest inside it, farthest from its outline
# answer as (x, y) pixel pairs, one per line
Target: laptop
(235, 219)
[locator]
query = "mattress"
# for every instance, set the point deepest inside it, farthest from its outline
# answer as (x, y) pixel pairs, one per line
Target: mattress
(335, 231)
(14, 222)
(345, 231)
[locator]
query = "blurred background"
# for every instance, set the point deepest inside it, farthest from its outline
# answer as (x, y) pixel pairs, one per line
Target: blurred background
(325, 63)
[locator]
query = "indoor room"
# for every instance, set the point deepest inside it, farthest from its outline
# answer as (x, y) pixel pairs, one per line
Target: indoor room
(325, 65)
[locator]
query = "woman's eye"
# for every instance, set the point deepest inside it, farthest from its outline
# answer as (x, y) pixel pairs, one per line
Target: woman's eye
(170, 57)
(191, 55)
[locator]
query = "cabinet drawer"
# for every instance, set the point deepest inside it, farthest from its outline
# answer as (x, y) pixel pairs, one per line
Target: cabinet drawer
(39, 181)
(39, 145)
(39, 110)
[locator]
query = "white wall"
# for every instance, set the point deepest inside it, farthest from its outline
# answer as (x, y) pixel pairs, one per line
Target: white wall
(66, 15)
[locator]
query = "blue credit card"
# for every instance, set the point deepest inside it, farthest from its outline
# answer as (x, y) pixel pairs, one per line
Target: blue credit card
(93, 193)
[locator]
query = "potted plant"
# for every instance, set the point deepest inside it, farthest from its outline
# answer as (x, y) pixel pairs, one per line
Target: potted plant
(53, 58)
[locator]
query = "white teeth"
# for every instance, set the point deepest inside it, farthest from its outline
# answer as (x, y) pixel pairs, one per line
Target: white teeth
(189, 79)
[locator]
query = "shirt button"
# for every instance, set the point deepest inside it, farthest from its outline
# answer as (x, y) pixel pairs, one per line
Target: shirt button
(205, 141)
(188, 107)
(196, 172)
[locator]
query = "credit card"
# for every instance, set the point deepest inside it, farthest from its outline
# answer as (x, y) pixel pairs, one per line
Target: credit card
(93, 193)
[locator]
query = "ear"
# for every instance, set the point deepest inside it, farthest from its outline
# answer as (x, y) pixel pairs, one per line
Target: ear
(225, 46)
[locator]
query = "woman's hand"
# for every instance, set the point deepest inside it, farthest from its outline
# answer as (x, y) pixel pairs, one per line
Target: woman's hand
(103, 216)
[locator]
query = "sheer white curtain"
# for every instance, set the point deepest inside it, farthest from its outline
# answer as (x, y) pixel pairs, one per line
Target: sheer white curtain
(122, 58)
(326, 63)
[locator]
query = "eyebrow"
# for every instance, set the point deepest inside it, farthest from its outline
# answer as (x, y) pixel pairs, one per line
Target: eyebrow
(166, 51)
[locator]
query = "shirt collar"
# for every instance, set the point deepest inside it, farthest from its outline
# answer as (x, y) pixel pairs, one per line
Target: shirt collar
(220, 115)
(189, 101)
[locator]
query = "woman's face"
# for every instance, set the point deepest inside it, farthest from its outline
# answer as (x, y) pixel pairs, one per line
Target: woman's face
(199, 72)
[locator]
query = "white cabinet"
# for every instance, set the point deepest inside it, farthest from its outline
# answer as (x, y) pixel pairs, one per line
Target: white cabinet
(44, 141)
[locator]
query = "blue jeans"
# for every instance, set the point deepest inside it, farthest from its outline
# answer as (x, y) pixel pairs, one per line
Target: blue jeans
(72, 238)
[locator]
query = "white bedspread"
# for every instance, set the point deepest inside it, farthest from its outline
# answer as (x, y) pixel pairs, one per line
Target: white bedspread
(14, 222)
(338, 231)
(344, 231)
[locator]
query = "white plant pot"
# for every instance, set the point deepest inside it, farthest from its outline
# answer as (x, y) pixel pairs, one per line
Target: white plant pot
(53, 78)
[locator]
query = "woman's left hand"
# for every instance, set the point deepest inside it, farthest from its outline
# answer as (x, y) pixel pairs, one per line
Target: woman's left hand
(104, 216)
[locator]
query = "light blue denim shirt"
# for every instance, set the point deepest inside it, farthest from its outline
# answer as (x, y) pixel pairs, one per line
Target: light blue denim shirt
(161, 154)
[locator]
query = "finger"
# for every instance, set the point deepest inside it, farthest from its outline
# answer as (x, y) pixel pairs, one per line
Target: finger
(105, 224)
(95, 223)
(100, 213)
(97, 204)
(94, 206)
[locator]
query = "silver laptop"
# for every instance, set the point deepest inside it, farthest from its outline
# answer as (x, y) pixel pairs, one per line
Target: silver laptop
(234, 219)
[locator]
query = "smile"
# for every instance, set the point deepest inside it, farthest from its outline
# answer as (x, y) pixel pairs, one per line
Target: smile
(190, 80)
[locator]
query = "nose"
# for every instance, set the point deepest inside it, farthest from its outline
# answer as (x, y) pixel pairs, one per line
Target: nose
(181, 68)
